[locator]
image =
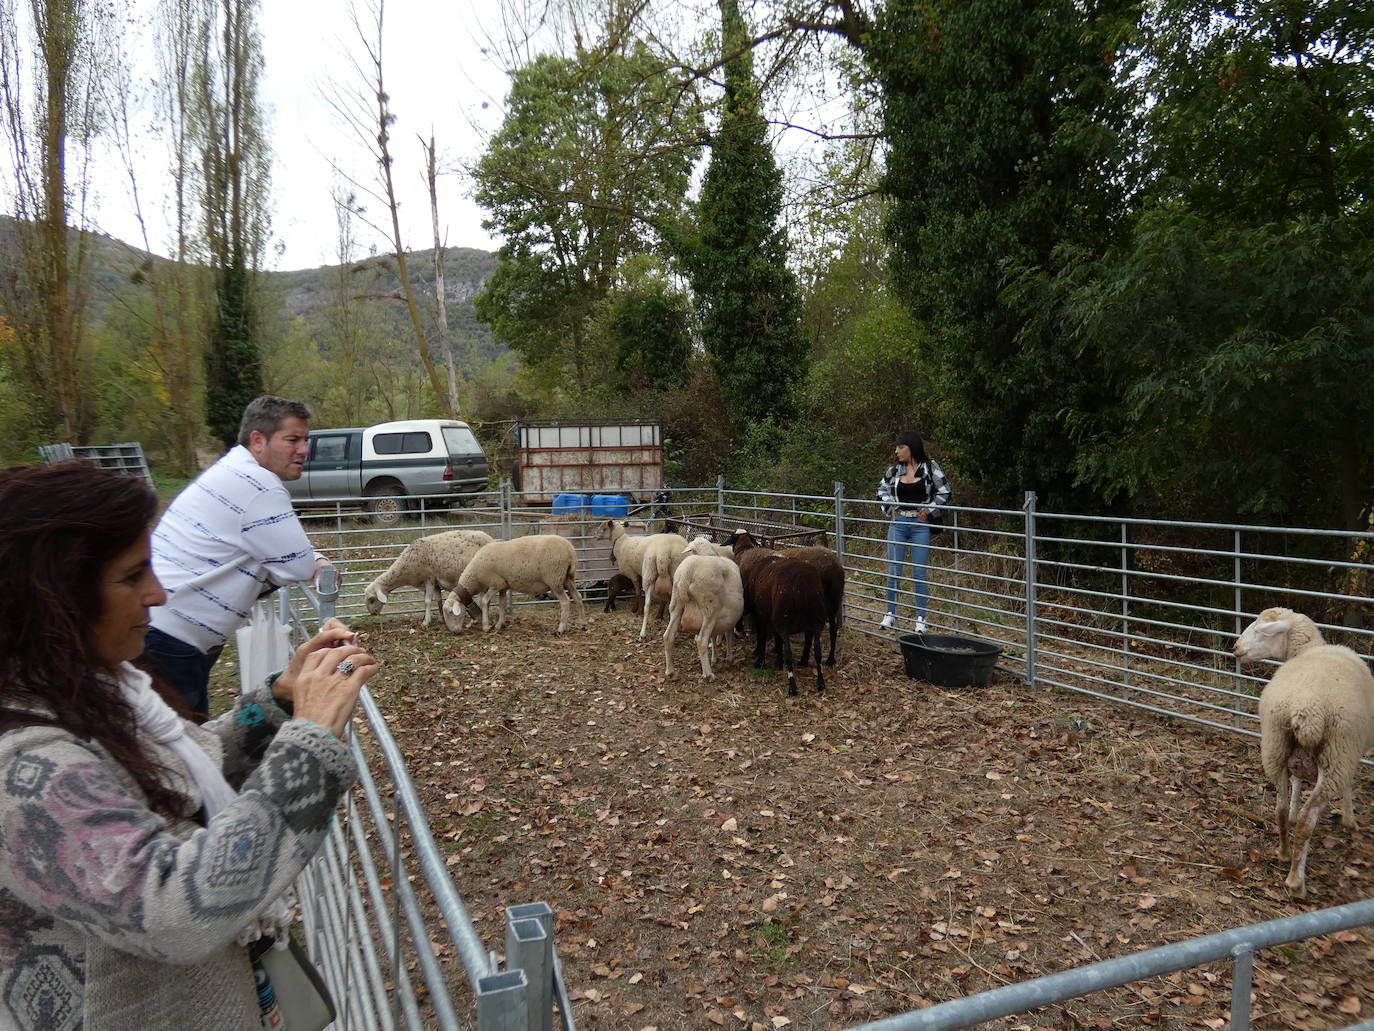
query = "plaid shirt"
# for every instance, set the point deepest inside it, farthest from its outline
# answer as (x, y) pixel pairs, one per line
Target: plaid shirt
(937, 488)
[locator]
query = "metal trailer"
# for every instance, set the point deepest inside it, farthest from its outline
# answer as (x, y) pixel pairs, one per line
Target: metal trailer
(125, 458)
(555, 458)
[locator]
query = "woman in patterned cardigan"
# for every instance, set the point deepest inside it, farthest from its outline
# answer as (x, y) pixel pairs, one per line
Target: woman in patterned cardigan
(132, 874)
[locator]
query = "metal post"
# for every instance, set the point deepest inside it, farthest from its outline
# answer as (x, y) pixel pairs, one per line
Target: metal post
(839, 539)
(327, 592)
(839, 521)
(1237, 684)
(529, 947)
(1029, 509)
(1241, 978)
(1126, 607)
(956, 616)
(501, 1002)
(720, 497)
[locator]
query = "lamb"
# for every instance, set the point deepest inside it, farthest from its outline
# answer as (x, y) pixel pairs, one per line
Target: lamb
(618, 586)
(787, 596)
(1316, 722)
(708, 598)
(533, 565)
(433, 563)
(826, 562)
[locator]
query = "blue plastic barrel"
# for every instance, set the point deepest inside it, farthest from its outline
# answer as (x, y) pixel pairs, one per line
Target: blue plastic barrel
(564, 504)
(610, 506)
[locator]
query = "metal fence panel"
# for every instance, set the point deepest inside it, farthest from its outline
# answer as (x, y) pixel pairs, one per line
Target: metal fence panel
(1137, 612)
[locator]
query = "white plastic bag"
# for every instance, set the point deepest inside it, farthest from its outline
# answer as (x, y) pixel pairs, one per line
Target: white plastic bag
(263, 643)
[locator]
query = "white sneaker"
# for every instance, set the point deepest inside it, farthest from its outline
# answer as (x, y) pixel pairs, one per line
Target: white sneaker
(920, 627)
(889, 622)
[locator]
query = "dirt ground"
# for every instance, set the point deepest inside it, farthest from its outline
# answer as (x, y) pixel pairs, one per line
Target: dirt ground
(721, 856)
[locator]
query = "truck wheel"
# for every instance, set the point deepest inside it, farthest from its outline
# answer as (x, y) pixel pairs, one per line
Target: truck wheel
(386, 505)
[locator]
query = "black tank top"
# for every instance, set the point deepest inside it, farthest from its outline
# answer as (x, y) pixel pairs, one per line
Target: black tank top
(910, 494)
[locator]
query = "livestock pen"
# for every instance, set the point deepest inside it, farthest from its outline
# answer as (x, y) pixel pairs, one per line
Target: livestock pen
(1138, 613)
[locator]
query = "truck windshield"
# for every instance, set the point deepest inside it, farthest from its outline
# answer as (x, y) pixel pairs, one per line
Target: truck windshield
(460, 441)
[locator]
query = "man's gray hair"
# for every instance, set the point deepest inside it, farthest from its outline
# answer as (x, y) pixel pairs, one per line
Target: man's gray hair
(266, 414)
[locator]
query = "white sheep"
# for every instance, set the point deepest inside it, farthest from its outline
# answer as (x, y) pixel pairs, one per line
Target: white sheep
(536, 564)
(661, 554)
(432, 563)
(707, 598)
(1316, 721)
(627, 547)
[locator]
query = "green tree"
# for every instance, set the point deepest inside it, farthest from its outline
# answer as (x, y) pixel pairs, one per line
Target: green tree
(1236, 324)
(51, 80)
(646, 325)
(590, 166)
(235, 160)
(1003, 159)
(746, 295)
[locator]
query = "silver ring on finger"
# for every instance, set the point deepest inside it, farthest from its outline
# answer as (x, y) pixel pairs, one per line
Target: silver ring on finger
(346, 667)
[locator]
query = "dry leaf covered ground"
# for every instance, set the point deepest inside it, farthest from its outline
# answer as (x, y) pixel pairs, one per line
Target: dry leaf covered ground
(720, 856)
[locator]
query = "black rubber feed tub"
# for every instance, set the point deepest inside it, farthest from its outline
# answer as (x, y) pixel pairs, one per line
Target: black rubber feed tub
(948, 661)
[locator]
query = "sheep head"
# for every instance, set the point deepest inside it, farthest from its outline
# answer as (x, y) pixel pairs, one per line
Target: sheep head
(699, 545)
(741, 541)
(455, 608)
(374, 599)
(1276, 634)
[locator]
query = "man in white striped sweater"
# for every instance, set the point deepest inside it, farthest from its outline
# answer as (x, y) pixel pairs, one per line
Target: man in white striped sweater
(228, 538)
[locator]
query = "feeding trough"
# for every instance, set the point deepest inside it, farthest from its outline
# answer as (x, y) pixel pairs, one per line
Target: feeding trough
(948, 661)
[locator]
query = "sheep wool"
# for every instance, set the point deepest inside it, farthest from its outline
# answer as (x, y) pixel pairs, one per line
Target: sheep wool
(708, 598)
(1316, 722)
(432, 563)
(541, 563)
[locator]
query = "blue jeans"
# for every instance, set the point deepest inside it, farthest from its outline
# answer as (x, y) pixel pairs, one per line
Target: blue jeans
(913, 535)
(184, 667)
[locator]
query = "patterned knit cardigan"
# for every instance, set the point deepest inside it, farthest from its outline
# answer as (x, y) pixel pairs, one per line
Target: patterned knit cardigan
(113, 918)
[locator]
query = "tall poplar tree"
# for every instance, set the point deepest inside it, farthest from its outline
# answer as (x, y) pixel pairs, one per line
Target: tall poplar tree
(235, 182)
(50, 97)
(746, 295)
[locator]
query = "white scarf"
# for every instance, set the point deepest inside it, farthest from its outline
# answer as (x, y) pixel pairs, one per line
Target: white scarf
(157, 719)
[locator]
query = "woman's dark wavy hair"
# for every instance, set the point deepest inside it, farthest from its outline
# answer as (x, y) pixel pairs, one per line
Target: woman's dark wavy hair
(60, 525)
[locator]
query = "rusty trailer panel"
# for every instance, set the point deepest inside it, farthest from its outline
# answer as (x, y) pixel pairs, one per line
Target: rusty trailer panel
(588, 458)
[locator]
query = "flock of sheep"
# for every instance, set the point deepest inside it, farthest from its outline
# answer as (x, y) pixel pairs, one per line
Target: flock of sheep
(701, 587)
(1316, 713)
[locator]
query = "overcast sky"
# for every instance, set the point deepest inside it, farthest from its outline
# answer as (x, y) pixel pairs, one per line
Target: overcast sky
(438, 80)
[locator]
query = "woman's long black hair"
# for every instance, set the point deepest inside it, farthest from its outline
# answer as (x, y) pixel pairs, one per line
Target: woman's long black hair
(60, 525)
(913, 440)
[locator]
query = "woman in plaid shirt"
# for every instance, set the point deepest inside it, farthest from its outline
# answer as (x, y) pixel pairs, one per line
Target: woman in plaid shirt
(911, 492)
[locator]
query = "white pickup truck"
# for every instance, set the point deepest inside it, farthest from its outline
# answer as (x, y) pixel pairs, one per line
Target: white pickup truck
(385, 465)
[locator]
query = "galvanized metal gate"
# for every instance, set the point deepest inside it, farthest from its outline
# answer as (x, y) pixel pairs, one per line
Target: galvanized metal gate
(1121, 610)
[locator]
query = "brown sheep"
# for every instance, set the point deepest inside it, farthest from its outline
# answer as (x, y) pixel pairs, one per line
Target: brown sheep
(826, 562)
(786, 596)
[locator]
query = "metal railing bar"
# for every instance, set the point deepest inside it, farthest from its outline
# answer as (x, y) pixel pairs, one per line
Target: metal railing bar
(446, 897)
(405, 898)
(1171, 713)
(1174, 524)
(386, 931)
(1112, 973)
(1139, 690)
(1102, 664)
